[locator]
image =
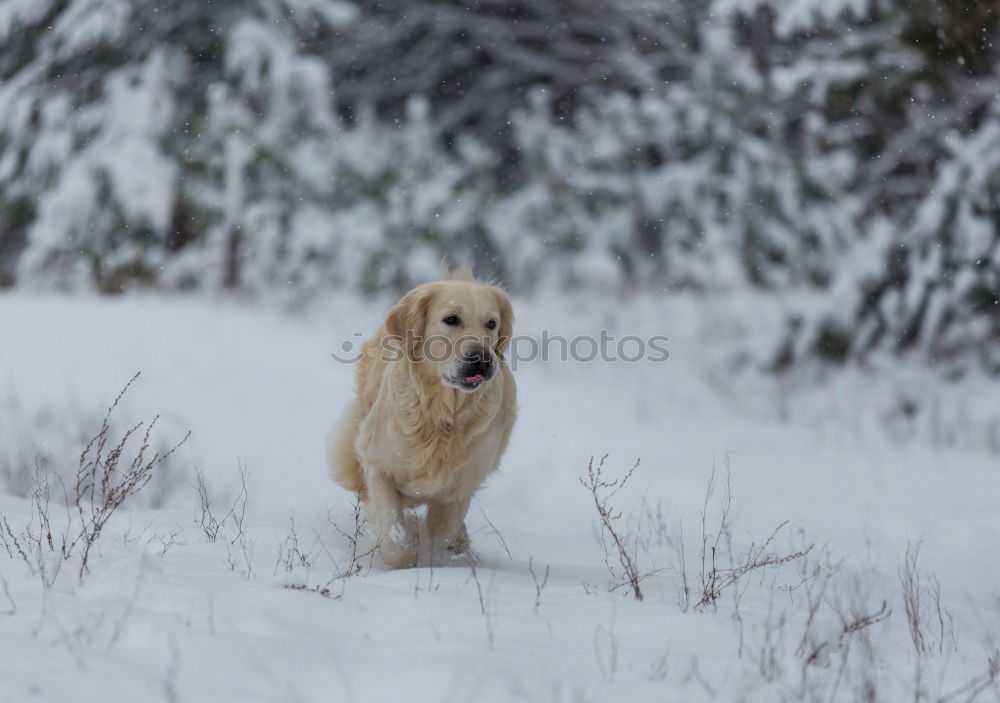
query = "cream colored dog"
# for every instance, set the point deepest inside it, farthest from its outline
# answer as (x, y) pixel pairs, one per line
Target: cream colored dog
(434, 407)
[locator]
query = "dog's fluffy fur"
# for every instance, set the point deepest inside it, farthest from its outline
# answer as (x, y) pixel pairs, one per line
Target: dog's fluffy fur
(423, 428)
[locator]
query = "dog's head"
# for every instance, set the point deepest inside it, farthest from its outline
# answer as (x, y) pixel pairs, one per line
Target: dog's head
(457, 329)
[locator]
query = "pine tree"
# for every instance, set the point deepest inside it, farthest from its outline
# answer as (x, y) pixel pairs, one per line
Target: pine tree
(924, 277)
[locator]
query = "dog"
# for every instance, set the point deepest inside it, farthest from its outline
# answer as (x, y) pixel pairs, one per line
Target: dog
(433, 410)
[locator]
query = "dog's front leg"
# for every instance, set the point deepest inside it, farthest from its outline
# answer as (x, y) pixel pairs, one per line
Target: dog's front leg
(446, 525)
(384, 511)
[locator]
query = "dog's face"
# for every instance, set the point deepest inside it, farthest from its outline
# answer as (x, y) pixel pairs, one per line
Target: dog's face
(458, 329)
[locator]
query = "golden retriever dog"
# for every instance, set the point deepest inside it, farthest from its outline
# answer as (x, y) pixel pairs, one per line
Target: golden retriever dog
(433, 410)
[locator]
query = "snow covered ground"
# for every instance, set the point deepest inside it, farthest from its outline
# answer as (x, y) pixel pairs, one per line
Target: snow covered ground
(859, 466)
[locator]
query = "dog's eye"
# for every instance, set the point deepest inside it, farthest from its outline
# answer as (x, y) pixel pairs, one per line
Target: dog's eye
(451, 320)
(491, 325)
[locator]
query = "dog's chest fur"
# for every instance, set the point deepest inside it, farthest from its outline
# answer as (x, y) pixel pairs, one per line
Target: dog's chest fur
(439, 441)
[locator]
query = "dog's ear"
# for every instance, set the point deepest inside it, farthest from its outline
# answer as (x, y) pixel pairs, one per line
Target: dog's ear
(408, 318)
(506, 321)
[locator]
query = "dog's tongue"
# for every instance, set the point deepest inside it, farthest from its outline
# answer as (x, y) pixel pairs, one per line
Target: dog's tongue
(474, 379)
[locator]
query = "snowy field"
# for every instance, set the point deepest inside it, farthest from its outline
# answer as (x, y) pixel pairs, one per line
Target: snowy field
(273, 609)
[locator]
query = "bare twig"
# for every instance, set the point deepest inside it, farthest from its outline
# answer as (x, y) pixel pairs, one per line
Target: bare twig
(169, 540)
(922, 602)
(539, 584)
(230, 527)
(354, 538)
(103, 483)
(10, 598)
(290, 554)
(206, 518)
(756, 557)
(323, 590)
(710, 544)
(487, 617)
(971, 689)
(497, 534)
(603, 491)
(910, 580)
(660, 531)
(714, 578)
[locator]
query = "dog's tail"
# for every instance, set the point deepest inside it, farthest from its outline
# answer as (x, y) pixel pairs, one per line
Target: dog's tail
(342, 460)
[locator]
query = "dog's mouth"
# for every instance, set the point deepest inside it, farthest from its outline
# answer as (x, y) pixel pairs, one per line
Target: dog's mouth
(469, 381)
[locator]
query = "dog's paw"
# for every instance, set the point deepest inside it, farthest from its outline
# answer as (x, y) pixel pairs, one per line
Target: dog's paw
(459, 545)
(398, 555)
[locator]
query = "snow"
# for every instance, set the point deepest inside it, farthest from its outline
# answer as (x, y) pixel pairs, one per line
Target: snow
(798, 15)
(15, 13)
(184, 618)
(90, 22)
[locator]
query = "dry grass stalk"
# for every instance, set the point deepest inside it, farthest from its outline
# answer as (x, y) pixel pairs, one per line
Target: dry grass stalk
(716, 579)
(756, 557)
(539, 583)
(357, 554)
(922, 603)
(602, 491)
(104, 481)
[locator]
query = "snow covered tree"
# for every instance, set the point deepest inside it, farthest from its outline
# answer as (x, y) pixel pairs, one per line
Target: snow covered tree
(842, 145)
(476, 60)
(922, 279)
(101, 102)
(259, 154)
(199, 146)
(403, 203)
(706, 182)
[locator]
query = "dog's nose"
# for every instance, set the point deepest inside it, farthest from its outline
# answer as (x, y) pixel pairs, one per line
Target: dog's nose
(480, 359)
